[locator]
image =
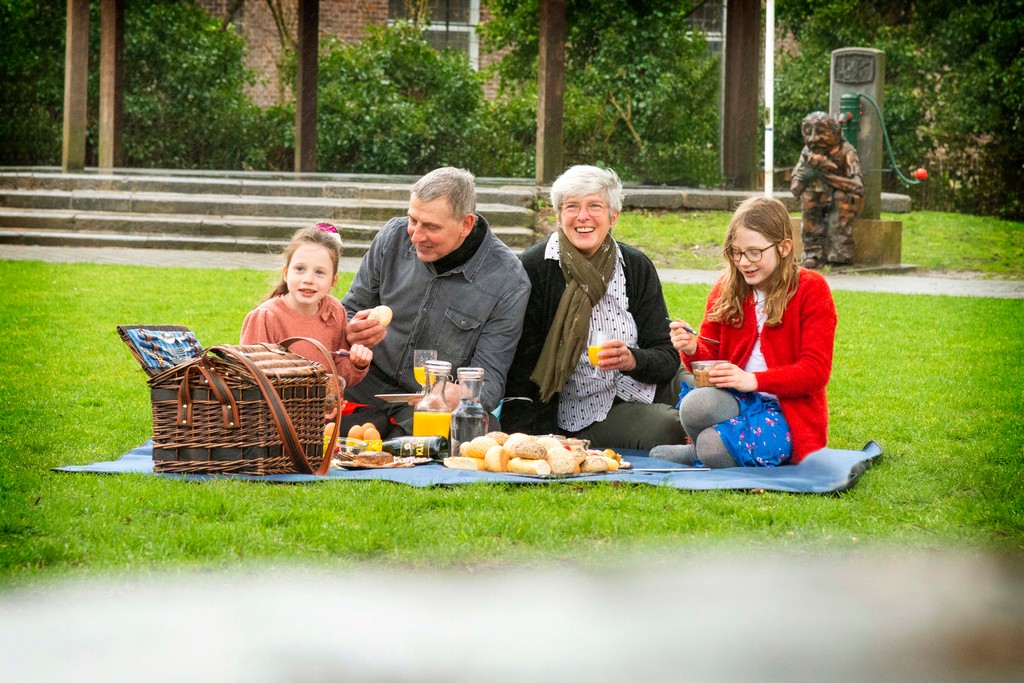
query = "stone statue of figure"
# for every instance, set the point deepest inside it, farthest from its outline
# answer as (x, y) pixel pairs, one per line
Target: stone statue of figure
(827, 181)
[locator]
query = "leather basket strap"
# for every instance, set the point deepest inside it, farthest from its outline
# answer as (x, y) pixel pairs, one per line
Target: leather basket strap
(290, 442)
(325, 464)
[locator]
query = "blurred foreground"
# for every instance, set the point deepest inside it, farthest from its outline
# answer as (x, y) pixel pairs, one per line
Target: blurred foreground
(935, 617)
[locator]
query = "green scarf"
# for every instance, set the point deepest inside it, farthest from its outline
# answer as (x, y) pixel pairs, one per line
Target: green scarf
(585, 283)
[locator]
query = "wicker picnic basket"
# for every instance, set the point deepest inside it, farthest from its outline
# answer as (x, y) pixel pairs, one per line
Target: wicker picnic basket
(243, 409)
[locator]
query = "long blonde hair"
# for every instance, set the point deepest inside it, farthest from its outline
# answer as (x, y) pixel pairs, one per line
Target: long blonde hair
(320, 235)
(768, 217)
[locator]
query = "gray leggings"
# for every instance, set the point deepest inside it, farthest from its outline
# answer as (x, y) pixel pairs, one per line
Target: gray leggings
(700, 410)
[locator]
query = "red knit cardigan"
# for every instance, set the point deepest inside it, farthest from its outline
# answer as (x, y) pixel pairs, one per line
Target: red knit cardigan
(797, 351)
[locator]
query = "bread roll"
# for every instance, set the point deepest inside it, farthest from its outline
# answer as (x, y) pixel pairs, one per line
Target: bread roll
(594, 463)
(476, 448)
(527, 447)
(515, 438)
(561, 460)
(496, 459)
(549, 442)
(499, 437)
(382, 314)
(523, 466)
(460, 463)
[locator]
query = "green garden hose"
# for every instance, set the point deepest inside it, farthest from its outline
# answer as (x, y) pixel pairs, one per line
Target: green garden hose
(888, 145)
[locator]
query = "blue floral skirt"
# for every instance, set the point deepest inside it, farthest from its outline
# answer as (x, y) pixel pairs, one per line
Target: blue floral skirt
(759, 436)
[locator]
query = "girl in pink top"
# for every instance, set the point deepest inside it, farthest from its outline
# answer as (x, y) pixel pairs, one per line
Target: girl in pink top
(301, 305)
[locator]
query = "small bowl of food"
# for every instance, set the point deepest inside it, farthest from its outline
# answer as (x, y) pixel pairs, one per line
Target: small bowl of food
(577, 445)
(702, 371)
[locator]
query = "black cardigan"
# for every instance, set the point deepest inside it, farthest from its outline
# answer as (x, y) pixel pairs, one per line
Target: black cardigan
(656, 360)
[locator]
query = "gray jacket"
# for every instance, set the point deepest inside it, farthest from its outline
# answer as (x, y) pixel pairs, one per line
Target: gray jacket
(472, 315)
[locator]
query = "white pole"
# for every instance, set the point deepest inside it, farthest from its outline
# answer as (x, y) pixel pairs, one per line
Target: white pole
(769, 98)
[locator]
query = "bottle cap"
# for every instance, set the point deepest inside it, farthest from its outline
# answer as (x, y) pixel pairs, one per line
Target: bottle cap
(437, 367)
(471, 373)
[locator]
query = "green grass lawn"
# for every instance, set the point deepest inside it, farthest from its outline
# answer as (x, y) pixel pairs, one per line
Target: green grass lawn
(935, 380)
(931, 240)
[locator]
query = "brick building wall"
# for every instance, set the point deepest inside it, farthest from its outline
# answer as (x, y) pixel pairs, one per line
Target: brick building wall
(343, 19)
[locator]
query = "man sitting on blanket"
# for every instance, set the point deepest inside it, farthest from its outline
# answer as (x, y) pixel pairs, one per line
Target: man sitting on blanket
(453, 287)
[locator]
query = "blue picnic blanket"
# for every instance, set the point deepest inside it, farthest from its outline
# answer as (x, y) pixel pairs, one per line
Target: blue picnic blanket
(825, 471)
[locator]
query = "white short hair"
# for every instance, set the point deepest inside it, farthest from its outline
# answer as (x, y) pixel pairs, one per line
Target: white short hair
(583, 180)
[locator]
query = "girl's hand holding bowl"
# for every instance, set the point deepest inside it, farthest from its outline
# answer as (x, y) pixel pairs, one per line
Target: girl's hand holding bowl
(723, 375)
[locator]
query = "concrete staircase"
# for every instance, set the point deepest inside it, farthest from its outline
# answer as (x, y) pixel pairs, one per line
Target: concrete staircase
(258, 211)
(227, 211)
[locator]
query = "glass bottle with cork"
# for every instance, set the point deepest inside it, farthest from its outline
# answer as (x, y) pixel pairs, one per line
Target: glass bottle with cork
(469, 419)
(432, 415)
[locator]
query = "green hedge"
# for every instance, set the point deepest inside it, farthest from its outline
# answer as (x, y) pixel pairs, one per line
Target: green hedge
(641, 94)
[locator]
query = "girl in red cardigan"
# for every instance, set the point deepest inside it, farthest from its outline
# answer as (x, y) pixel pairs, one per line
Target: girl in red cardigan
(301, 305)
(774, 323)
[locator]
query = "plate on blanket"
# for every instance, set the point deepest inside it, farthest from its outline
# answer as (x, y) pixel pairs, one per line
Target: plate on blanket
(398, 398)
(397, 462)
(570, 475)
(623, 467)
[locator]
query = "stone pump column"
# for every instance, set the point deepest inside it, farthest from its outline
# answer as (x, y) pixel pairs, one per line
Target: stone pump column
(861, 70)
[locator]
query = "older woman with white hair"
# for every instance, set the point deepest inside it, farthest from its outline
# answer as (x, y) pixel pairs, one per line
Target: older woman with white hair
(588, 289)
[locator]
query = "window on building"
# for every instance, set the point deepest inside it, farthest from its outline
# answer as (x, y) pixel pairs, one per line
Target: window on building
(448, 24)
(709, 18)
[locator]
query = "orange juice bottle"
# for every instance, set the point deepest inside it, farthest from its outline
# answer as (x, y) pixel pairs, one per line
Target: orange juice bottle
(431, 424)
(433, 415)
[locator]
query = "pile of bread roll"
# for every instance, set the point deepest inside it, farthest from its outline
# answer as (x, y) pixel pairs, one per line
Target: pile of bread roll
(526, 454)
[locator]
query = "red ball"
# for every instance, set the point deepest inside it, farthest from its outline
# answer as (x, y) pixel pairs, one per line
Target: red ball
(921, 174)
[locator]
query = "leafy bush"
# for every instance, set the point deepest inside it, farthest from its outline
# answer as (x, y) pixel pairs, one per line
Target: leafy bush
(393, 104)
(185, 104)
(505, 137)
(184, 99)
(31, 82)
(641, 88)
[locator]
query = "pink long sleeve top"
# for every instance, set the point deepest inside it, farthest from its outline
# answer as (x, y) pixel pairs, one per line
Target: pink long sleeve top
(272, 321)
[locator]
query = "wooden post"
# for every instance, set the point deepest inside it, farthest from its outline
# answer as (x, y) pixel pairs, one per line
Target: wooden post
(305, 85)
(76, 81)
(740, 120)
(111, 84)
(550, 90)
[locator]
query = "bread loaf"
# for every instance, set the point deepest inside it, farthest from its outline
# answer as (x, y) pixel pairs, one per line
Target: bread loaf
(461, 463)
(523, 466)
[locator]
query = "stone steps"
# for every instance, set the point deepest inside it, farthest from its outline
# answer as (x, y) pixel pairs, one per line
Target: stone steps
(258, 211)
(223, 211)
(393, 188)
(172, 203)
(56, 227)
